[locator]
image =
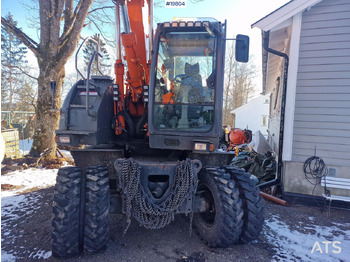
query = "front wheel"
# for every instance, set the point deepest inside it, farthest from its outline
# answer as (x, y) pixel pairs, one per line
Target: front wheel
(219, 221)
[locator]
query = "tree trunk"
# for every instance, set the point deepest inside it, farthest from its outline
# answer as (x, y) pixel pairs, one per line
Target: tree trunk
(46, 118)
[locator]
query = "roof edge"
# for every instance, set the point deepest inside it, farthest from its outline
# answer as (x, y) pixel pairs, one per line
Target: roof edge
(283, 13)
(260, 96)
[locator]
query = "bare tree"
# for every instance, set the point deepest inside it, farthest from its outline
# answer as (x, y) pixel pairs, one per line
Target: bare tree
(61, 22)
(239, 85)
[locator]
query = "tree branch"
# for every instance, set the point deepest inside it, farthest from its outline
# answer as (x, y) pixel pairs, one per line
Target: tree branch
(57, 10)
(100, 30)
(20, 69)
(45, 25)
(72, 18)
(29, 42)
(68, 16)
(100, 8)
(69, 42)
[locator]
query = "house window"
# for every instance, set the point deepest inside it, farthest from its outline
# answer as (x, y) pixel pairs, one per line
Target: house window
(264, 120)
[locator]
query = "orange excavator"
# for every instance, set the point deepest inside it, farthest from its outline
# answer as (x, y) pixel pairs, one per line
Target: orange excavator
(149, 139)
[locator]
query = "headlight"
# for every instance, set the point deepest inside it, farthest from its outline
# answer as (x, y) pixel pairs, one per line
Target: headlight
(200, 147)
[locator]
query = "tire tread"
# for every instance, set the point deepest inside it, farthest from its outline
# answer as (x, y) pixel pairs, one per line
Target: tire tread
(65, 212)
(253, 205)
(228, 226)
(97, 204)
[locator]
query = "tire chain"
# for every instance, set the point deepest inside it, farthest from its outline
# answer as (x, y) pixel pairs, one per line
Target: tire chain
(139, 205)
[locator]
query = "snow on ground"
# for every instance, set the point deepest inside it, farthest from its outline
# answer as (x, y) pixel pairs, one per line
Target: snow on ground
(28, 179)
(14, 200)
(5, 257)
(299, 243)
(41, 254)
(16, 208)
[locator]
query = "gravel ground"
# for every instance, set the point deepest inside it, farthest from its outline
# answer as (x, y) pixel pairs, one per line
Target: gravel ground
(289, 234)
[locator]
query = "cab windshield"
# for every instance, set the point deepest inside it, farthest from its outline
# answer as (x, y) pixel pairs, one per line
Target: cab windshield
(185, 82)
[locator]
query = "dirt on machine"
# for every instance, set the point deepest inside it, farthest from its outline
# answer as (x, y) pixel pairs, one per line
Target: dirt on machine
(151, 139)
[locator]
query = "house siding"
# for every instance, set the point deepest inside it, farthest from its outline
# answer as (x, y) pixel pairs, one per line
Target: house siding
(322, 106)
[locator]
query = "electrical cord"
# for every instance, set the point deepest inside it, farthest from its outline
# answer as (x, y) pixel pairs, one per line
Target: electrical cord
(315, 169)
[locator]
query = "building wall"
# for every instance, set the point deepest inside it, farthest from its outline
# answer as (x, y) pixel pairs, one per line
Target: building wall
(322, 109)
(295, 181)
(322, 106)
(252, 115)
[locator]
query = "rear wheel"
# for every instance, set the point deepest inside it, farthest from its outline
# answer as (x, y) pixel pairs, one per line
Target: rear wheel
(219, 222)
(253, 205)
(97, 204)
(66, 209)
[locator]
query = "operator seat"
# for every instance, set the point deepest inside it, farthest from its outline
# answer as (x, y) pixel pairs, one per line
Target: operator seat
(192, 76)
(193, 80)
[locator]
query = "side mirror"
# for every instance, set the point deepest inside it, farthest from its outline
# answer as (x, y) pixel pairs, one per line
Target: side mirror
(242, 48)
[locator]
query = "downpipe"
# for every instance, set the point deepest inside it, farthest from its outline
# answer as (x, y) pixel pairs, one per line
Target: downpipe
(278, 179)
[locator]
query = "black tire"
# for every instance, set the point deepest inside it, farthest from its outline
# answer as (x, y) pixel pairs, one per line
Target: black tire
(97, 204)
(223, 147)
(66, 212)
(219, 224)
(253, 205)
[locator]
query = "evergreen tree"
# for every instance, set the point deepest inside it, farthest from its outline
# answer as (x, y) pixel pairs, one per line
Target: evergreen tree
(13, 62)
(88, 51)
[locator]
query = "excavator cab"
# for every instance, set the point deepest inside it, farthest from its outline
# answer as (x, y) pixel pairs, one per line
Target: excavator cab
(186, 85)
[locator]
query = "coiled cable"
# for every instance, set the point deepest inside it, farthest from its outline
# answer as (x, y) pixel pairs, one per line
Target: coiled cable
(315, 169)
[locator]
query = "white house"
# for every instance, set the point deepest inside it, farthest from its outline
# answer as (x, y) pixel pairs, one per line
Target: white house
(254, 115)
(306, 68)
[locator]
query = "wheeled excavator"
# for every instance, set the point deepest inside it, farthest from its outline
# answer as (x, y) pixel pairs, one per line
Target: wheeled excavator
(148, 139)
